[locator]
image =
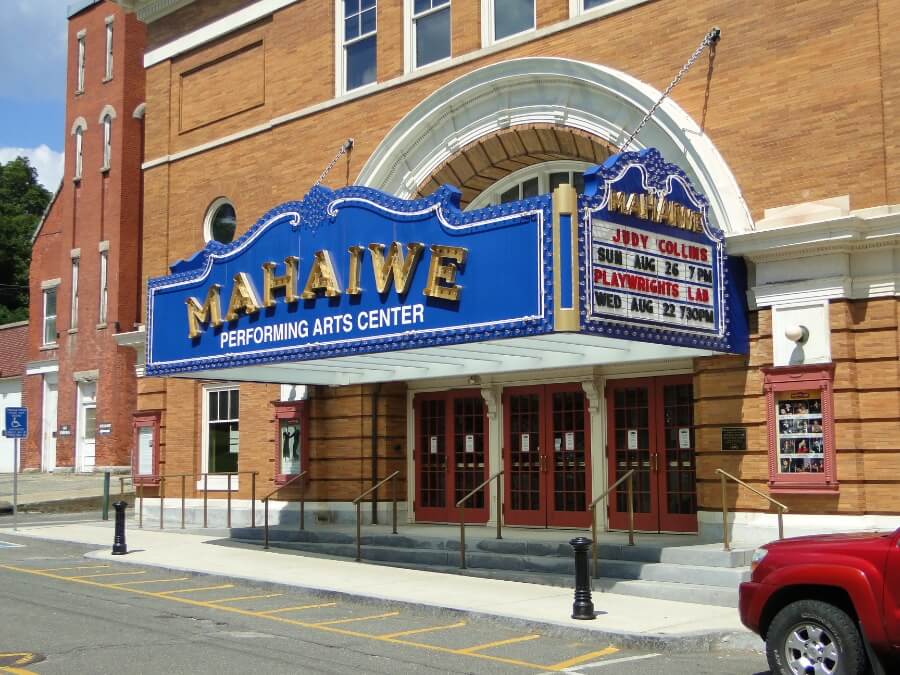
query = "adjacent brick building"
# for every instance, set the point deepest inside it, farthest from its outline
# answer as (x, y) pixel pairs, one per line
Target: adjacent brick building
(786, 126)
(79, 384)
(13, 337)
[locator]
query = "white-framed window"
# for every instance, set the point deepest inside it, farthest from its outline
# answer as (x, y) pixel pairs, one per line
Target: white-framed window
(532, 181)
(79, 76)
(107, 141)
(49, 332)
(502, 19)
(220, 221)
(79, 151)
(108, 70)
(357, 40)
(600, 7)
(428, 34)
(221, 434)
(73, 320)
(104, 285)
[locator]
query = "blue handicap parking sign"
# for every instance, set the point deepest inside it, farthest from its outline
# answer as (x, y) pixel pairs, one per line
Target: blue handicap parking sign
(16, 422)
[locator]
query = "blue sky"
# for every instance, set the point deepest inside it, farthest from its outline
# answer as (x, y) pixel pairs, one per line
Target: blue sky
(32, 84)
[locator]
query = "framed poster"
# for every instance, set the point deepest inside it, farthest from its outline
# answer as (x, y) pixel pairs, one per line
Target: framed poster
(145, 451)
(800, 424)
(291, 439)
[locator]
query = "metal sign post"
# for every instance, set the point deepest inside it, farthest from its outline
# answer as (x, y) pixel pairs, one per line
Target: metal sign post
(16, 428)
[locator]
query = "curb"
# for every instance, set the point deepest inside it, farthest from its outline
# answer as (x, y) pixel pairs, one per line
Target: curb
(700, 641)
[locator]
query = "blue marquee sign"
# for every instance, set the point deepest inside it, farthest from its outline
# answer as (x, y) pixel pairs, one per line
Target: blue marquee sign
(354, 271)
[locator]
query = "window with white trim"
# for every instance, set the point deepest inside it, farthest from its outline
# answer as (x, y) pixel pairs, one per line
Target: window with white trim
(532, 181)
(505, 18)
(430, 31)
(79, 82)
(358, 44)
(220, 221)
(221, 411)
(108, 71)
(107, 141)
(73, 320)
(104, 285)
(79, 151)
(49, 333)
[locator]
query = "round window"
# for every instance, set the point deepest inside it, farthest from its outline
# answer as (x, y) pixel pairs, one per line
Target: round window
(221, 222)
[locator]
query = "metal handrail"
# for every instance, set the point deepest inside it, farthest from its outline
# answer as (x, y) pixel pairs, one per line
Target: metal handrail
(357, 503)
(628, 476)
(462, 516)
(265, 501)
(161, 482)
(782, 508)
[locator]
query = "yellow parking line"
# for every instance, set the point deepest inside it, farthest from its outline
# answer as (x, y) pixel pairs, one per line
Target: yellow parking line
(109, 574)
(498, 643)
(416, 631)
(581, 659)
(78, 567)
(245, 597)
(149, 581)
(16, 671)
(336, 630)
(188, 590)
(356, 618)
(296, 609)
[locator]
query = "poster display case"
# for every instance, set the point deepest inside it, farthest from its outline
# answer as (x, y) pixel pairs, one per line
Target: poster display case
(291, 439)
(800, 428)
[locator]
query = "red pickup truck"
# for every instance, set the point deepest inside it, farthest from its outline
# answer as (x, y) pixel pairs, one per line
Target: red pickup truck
(827, 604)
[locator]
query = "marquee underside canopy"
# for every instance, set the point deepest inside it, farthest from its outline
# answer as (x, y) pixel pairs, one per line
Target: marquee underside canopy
(558, 350)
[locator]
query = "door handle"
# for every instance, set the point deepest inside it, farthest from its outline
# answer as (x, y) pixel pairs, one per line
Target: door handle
(655, 457)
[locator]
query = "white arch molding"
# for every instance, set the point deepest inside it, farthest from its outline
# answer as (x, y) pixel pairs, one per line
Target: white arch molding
(599, 100)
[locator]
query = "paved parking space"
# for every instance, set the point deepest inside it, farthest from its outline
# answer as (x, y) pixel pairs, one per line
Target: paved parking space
(476, 641)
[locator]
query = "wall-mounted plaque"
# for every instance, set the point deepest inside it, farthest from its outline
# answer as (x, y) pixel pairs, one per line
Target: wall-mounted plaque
(734, 438)
(104, 428)
(65, 430)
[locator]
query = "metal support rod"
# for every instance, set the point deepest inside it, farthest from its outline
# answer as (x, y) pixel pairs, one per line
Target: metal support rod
(141, 499)
(229, 501)
(726, 544)
(162, 501)
(302, 505)
(630, 511)
(394, 504)
(121, 486)
(499, 506)
(16, 484)
(253, 499)
(780, 525)
(182, 500)
(594, 539)
(205, 496)
(462, 538)
(105, 513)
(266, 522)
(358, 534)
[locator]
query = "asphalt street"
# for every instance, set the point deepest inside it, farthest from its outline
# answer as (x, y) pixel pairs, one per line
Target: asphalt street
(63, 613)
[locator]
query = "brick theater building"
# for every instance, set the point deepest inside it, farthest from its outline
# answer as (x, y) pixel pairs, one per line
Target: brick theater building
(721, 295)
(79, 384)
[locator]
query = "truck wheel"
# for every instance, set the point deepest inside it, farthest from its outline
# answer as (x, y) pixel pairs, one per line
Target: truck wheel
(809, 637)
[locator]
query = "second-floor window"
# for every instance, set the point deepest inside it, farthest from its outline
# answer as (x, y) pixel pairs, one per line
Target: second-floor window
(79, 82)
(108, 72)
(79, 151)
(107, 141)
(73, 321)
(49, 336)
(104, 285)
(359, 43)
(511, 17)
(431, 31)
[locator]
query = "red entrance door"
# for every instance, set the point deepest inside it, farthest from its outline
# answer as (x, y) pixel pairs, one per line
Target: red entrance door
(451, 456)
(651, 430)
(547, 456)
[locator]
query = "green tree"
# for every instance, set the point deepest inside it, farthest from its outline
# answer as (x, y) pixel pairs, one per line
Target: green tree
(22, 202)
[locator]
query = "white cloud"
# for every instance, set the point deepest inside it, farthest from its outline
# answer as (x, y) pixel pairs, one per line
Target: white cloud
(49, 164)
(33, 49)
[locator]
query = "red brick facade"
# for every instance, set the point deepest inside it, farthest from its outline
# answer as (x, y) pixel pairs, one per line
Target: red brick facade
(94, 215)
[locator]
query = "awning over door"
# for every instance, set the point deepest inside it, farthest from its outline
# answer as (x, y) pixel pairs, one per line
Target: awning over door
(354, 285)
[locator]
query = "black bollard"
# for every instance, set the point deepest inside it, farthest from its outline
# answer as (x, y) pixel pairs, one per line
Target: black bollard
(119, 547)
(583, 608)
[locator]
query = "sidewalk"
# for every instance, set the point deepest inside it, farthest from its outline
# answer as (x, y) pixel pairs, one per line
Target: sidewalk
(56, 491)
(624, 620)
